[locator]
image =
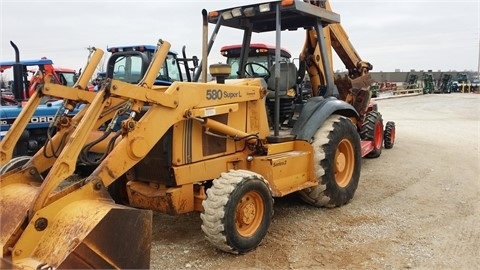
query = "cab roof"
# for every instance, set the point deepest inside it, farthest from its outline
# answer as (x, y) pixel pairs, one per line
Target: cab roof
(261, 17)
(33, 62)
(150, 48)
(235, 49)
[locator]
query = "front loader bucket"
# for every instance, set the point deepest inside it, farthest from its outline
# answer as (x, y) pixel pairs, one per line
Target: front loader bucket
(18, 188)
(81, 230)
(15, 199)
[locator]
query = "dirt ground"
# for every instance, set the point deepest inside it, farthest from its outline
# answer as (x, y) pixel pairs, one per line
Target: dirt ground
(417, 205)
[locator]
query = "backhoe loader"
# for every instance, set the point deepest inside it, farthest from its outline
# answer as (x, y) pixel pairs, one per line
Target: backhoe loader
(201, 146)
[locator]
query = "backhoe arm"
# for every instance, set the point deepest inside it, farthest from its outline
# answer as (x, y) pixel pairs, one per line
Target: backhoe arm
(353, 88)
(347, 53)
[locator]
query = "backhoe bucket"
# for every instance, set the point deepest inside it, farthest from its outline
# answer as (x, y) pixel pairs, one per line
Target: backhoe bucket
(81, 230)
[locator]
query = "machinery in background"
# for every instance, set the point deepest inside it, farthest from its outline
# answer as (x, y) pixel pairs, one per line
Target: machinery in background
(444, 85)
(27, 75)
(428, 83)
(465, 85)
(412, 82)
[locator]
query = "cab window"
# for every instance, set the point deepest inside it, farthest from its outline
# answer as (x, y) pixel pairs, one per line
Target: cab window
(67, 79)
(263, 60)
(128, 68)
(170, 71)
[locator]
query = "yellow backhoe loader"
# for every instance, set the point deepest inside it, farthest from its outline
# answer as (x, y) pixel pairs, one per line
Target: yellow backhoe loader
(85, 199)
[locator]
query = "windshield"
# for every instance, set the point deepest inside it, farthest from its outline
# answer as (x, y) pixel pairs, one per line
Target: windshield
(128, 68)
(68, 79)
(170, 71)
(256, 70)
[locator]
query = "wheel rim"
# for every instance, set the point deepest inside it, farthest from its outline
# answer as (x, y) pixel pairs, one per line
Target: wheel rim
(249, 214)
(378, 137)
(344, 163)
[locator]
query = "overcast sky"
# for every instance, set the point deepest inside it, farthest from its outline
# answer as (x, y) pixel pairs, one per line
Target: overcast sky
(390, 34)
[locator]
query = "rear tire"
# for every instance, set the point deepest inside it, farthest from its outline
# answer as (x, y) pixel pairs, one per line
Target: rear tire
(372, 130)
(14, 163)
(337, 161)
(237, 212)
(389, 135)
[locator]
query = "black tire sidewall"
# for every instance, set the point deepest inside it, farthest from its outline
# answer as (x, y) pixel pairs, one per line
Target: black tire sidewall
(234, 239)
(389, 135)
(369, 131)
(341, 195)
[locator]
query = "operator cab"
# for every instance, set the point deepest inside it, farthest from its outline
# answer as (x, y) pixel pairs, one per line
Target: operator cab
(260, 63)
(65, 76)
(283, 103)
(261, 58)
(129, 64)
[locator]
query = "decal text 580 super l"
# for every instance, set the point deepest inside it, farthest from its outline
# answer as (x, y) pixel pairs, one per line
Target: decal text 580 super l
(213, 94)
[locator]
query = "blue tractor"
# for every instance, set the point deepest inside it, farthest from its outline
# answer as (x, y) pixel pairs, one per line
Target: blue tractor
(126, 63)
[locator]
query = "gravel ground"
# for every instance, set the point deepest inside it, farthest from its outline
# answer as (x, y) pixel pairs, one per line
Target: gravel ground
(417, 205)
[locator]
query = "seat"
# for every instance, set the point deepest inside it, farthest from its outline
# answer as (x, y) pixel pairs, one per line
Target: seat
(288, 77)
(286, 91)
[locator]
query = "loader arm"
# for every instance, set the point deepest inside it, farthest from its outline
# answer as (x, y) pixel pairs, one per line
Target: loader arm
(38, 195)
(8, 143)
(48, 154)
(180, 101)
(66, 162)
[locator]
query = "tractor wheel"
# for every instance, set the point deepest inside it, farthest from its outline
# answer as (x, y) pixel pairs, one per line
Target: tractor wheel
(14, 163)
(238, 211)
(337, 161)
(372, 130)
(389, 135)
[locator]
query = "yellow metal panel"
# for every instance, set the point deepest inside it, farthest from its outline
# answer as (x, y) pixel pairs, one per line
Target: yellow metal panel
(286, 172)
(208, 169)
(275, 148)
(65, 92)
(172, 200)
(257, 121)
(214, 110)
(188, 138)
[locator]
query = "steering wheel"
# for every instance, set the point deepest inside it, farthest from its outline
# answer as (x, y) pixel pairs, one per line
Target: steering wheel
(250, 70)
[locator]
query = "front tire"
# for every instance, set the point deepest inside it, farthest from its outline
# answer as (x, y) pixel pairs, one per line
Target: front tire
(337, 161)
(237, 212)
(389, 135)
(372, 130)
